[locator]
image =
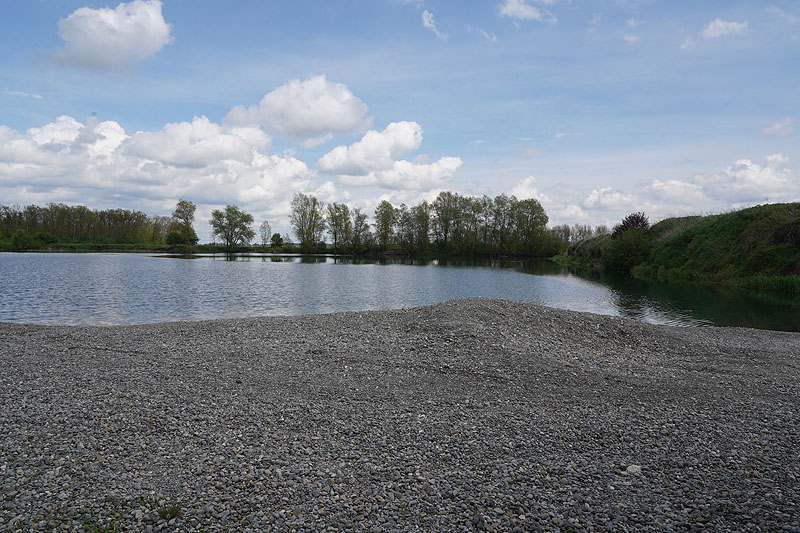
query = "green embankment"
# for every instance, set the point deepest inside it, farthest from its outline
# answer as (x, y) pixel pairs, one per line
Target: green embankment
(758, 247)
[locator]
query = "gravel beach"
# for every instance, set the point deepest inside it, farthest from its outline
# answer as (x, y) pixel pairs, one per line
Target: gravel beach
(473, 414)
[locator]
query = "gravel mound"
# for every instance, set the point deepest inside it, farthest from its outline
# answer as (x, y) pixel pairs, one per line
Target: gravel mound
(473, 414)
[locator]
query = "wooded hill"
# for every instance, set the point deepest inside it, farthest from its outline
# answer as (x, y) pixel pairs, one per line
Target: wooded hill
(757, 247)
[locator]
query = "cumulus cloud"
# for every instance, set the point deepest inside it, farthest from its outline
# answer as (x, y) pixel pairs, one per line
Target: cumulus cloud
(430, 23)
(607, 198)
(375, 151)
(197, 143)
(528, 188)
(784, 127)
(719, 28)
(98, 164)
(112, 39)
(520, 10)
(373, 160)
(308, 111)
(746, 182)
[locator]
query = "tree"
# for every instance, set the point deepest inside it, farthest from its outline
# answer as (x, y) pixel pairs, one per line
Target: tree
(385, 219)
(361, 236)
(339, 225)
(307, 221)
(265, 230)
(232, 226)
(529, 222)
(276, 241)
(635, 221)
(184, 216)
(445, 209)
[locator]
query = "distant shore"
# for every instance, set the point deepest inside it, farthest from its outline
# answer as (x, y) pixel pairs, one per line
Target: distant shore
(475, 413)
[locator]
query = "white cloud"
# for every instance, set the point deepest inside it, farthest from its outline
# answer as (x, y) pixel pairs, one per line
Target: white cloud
(739, 185)
(679, 194)
(489, 36)
(308, 111)
(687, 43)
(197, 143)
(631, 38)
(778, 12)
(520, 10)
(375, 151)
(530, 152)
(607, 198)
(719, 28)
(747, 183)
(526, 188)
(112, 39)
(477, 141)
(784, 127)
(429, 22)
(373, 160)
(97, 164)
(9, 92)
(559, 134)
(409, 175)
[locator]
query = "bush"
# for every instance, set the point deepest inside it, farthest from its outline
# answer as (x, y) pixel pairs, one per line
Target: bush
(635, 221)
(627, 250)
(174, 239)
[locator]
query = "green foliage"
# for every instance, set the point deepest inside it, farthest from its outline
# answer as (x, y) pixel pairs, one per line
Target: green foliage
(21, 241)
(276, 241)
(758, 248)
(232, 226)
(385, 221)
(184, 217)
(168, 512)
(761, 241)
(174, 238)
(60, 223)
(624, 252)
(308, 221)
(635, 221)
(340, 227)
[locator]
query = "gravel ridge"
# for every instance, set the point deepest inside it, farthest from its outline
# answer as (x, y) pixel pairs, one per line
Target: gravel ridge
(474, 414)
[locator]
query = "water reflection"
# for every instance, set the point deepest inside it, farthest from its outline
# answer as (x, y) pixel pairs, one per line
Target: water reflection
(131, 288)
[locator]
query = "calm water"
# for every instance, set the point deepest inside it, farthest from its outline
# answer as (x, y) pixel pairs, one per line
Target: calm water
(138, 288)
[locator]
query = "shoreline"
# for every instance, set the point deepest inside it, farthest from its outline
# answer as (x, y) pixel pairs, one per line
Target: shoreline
(469, 414)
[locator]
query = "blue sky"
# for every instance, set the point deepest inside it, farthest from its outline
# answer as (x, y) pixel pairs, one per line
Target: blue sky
(595, 108)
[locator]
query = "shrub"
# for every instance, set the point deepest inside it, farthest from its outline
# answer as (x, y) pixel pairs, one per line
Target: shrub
(635, 221)
(627, 250)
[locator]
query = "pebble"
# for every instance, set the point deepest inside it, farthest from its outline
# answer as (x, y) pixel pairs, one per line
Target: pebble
(476, 413)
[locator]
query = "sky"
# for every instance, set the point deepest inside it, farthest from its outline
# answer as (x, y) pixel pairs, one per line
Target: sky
(596, 108)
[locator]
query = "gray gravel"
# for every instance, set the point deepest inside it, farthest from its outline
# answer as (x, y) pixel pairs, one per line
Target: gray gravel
(471, 414)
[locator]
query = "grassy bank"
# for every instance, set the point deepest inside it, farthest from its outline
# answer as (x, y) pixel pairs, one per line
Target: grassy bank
(757, 248)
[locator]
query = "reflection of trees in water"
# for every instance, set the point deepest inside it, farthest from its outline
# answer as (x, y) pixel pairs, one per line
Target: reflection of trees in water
(705, 304)
(650, 300)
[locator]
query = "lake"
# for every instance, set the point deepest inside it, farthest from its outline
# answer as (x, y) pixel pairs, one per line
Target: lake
(111, 289)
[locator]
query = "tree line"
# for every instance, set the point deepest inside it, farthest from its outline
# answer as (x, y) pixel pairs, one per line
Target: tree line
(452, 224)
(33, 226)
